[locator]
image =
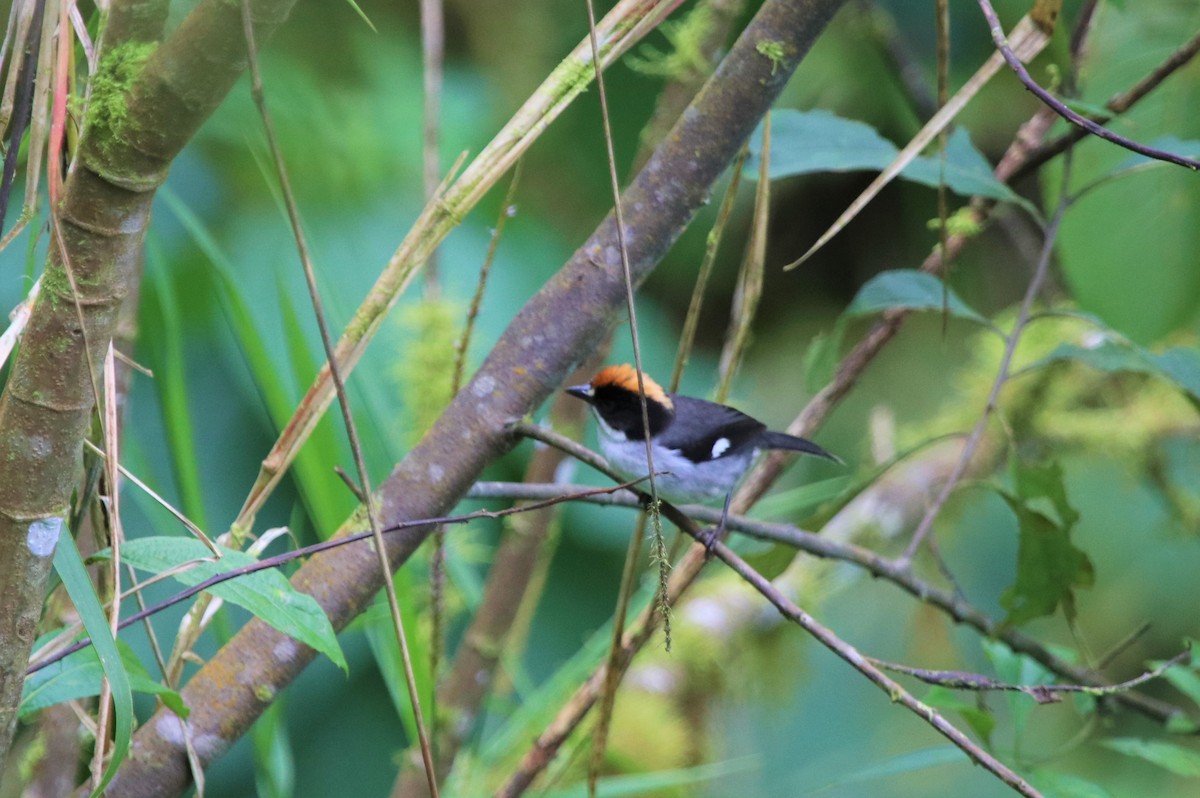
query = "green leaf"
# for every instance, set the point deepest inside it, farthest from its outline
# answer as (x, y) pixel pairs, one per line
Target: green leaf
(1049, 566)
(804, 142)
(908, 289)
(274, 761)
(381, 636)
(1175, 758)
(656, 782)
(1183, 679)
(1034, 482)
(966, 171)
(1053, 784)
(75, 578)
(1014, 668)
(1180, 366)
(78, 676)
(821, 357)
(912, 762)
(267, 594)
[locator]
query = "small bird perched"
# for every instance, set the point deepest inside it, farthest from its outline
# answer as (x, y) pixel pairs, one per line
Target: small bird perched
(705, 446)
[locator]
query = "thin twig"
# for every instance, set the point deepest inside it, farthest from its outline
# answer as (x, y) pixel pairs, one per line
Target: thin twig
(1061, 109)
(600, 735)
(317, 548)
(862, 664)
(625, 24)
(691, 321)
(112, 515)
(1031, 293)
(364, 479)
(1118, 104)
(178, 514)
(433, 46)
(1042, 693)
(507, 211)
(750, 278)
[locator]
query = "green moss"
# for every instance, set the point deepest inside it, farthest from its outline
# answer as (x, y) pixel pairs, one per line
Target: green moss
(572, 75)
(426, 366)
(774, 50)
(108, 111)
(963, 222)
(686, 57)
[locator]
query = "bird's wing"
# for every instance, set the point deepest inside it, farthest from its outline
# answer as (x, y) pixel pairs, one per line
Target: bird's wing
(708, 431)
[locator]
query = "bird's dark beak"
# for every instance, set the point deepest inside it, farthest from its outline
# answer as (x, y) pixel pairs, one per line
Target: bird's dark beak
(583, 392)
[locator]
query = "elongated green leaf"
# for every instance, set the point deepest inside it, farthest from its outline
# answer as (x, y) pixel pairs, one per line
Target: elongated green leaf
(324, 498)
(78, 676)
(171, 383)
(267, 594)
(662, 780)
(381, 635)
(311, 465)
(909, 289)
(69, 566)
(1053, 784)
(804, 142)
(1175, 758)
(913, 761)
(274, 761)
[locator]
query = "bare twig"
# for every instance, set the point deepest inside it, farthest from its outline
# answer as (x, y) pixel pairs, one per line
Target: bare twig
(1042, 693)
(1117, 104)
(862, 664)
(317, 548)
(1031, 293)
(624, 25)
(1061, 109)
(600, 735)
(750, 278)
(713, 242)
(433, 46)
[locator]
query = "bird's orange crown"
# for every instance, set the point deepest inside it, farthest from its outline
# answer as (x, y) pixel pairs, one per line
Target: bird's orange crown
(625, 376)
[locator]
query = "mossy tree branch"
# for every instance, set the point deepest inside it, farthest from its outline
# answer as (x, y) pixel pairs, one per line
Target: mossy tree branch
(554, 330)
(147, 100)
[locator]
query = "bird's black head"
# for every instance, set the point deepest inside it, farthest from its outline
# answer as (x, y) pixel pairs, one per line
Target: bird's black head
(613, 394)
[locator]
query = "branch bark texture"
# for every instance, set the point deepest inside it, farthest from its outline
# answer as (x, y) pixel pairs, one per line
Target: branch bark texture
(147, 100)
(556, 328)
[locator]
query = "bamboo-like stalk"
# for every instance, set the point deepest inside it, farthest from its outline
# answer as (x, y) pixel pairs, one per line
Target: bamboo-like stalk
(166, 92)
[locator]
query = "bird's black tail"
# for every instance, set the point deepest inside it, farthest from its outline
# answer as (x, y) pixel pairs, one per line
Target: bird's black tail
(781, 440)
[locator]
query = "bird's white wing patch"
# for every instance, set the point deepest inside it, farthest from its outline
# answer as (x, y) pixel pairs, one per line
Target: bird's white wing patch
(719, 447)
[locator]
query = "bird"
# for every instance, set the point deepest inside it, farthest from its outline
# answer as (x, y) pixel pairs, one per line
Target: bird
(703, 447)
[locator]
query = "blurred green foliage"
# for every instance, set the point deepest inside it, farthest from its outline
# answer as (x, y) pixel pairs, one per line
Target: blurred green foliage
(226, 328)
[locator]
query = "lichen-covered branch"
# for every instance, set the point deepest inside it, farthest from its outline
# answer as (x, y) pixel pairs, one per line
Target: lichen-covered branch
(560, 324)
(147, 100)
